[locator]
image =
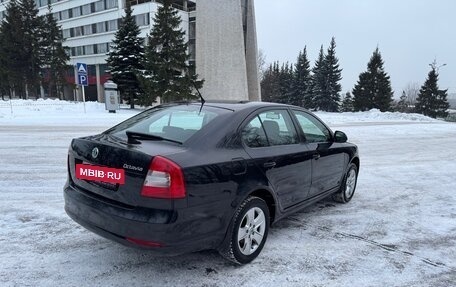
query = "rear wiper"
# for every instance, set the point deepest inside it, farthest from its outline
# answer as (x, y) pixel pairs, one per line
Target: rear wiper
(137, 135)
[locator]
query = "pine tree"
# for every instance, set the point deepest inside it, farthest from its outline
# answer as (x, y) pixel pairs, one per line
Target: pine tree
(167, 73)
(318, 79)
(402, 105)
(373, 89)
(301, 93)
(431, 101)
(285, 84)
(126, 57)
(270, 83)
(11, 49)
(54, 57)
(31, 45)
(347, 103)
(329, 99)
(4, 84)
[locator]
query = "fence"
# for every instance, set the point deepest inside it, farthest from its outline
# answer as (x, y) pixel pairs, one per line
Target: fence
(16, 105)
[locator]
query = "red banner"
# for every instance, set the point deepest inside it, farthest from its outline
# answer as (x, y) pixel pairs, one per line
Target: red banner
(100, 173)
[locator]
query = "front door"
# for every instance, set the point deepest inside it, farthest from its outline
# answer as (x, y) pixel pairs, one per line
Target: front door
(328, 161)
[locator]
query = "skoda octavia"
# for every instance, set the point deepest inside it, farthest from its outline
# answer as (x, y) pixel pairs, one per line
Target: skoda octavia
(186, 177)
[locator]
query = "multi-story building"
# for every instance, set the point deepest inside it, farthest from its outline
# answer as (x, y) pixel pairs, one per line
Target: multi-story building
(221, 36)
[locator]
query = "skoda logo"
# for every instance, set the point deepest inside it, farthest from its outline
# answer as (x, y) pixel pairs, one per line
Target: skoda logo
(95, 152)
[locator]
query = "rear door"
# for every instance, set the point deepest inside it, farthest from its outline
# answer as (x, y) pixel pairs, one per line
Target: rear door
(271, 140)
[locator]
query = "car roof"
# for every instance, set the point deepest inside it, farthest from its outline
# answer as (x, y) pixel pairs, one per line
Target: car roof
(235, 105)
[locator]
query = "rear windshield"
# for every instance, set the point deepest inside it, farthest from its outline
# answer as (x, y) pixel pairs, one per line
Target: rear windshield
(175, 123)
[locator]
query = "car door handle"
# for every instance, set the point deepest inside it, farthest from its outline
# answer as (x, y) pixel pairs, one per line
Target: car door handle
(316, 156)
(269, 164)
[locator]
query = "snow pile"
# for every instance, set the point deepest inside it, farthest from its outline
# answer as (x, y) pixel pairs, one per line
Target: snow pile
(56, 112)
(373, 115)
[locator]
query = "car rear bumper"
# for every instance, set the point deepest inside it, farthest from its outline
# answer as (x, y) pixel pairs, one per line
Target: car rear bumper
(163, 232)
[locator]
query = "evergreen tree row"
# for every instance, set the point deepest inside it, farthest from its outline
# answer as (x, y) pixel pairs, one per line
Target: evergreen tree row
(297, 84)
(159, 70)
(319, 88)
(31, 52)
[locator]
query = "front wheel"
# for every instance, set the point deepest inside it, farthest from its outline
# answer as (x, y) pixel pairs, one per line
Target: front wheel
(347, 189)
(248, 231)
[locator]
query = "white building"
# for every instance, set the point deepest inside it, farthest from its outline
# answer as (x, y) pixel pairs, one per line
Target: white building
(221, 35)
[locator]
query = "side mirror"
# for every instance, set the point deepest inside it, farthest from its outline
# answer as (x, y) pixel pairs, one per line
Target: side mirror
(340, 137)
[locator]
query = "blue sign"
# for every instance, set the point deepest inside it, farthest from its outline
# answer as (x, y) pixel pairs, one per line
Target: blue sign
(83, 76)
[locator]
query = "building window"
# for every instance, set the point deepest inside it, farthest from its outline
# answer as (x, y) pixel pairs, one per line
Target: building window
(86, 9)
(77, 31)
(111, 4)
(89, 50)
(142, 19)
(192, 30)
(102, 48)
(66, 33)
(77, 51)
(91, 70)
(76, 11)
(192, 50)
(112, 25)
(99, 6)
(88, 30)
(101, 27)
(65, 14)
(42, 3)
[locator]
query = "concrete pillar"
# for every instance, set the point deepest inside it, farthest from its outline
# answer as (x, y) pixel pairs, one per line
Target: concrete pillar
(226, 57)
(100, 96)
(251, 54)
(220, 50)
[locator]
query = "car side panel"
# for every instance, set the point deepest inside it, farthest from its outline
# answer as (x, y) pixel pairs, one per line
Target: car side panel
(328, 169)
(290, 177)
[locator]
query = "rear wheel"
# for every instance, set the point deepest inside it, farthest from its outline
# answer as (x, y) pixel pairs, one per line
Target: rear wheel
(248, 231)
(347, 189)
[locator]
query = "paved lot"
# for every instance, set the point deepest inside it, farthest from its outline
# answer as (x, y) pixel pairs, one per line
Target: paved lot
(399, 230)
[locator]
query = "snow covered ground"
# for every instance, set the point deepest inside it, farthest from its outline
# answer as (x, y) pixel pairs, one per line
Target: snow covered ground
(399, 229)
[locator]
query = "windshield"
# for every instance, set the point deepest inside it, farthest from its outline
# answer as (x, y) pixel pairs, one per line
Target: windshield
(172, 123)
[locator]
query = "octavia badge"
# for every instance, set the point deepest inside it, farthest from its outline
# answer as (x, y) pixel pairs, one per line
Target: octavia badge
(95, 152)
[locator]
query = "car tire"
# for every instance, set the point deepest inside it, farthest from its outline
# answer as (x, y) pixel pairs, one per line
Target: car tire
(347, 189)
(248, 231)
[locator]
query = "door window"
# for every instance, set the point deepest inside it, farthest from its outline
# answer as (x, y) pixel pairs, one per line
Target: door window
(253, 134)
(313, 129)
(270, 128)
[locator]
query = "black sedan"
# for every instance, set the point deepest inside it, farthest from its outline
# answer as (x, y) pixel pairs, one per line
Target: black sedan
(186, 177)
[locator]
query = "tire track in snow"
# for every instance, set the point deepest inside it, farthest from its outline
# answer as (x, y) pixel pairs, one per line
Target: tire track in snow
(387, 247)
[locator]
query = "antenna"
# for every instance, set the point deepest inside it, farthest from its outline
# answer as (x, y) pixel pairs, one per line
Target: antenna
(203, 101)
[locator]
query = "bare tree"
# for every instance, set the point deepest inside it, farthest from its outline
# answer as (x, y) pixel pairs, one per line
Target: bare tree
(261, 64)
(411, 92)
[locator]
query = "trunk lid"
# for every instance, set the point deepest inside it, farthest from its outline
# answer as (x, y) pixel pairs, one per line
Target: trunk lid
(116, 153)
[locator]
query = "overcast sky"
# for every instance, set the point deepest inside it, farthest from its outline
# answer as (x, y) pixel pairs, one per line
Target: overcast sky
(409, 34)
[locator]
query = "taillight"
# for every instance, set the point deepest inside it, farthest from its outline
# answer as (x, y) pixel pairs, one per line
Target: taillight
(164, 180)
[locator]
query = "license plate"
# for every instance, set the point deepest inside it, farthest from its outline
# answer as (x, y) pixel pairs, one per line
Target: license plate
(100, 173)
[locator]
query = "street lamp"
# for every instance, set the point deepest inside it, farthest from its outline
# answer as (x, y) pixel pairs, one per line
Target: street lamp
(435, 66)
